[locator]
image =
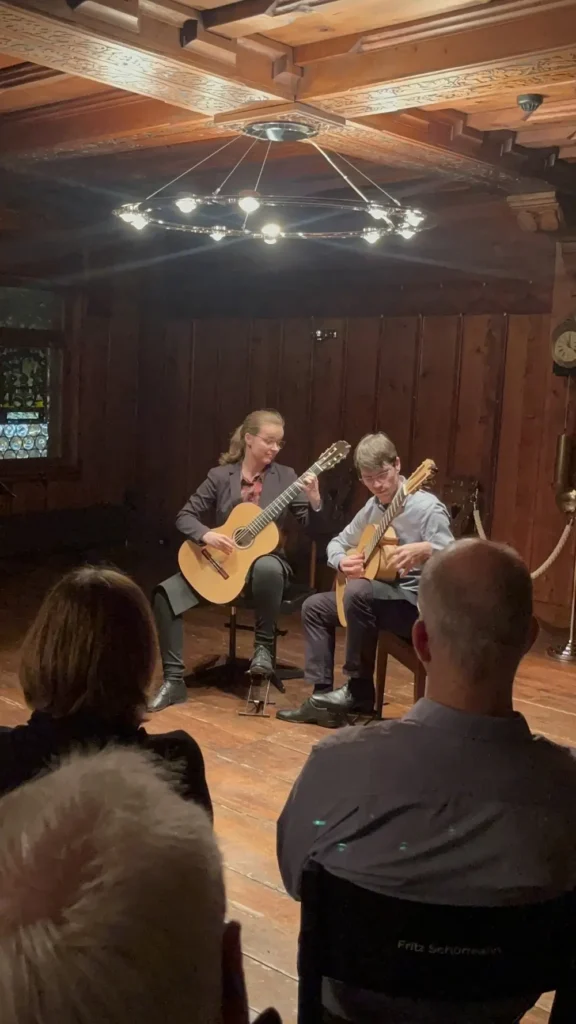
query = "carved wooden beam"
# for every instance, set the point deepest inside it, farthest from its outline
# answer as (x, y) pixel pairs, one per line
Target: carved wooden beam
(538, 211)
(150, 64)
(524, 54)
(111, 121)
(380, 146)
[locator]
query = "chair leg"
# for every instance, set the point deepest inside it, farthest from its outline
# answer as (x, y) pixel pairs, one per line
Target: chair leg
(381, 667)
(232, 635)
(419, 681)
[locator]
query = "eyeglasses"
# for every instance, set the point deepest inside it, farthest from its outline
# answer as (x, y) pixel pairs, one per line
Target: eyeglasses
(271, 442)
(377, 478)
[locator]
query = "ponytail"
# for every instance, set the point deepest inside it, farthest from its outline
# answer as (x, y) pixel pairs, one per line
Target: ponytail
(251, 425)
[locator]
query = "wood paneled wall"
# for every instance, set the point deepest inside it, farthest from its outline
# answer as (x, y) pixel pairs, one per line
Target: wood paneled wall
(475, 393)
(158, 399)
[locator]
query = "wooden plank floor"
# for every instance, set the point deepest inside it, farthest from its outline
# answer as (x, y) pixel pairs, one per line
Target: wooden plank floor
(252, 764)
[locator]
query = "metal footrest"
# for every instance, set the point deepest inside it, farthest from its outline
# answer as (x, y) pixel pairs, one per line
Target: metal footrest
(256, 704)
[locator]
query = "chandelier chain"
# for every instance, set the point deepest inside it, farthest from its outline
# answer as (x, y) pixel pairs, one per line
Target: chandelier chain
(190, 169)
(375, 183)
(218, 190)
(340, 172)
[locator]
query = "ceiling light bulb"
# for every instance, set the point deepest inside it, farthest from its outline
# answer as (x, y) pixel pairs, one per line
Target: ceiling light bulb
(407, 232)
(217, 234)
(270, 241)
(413, 218)
(271, 231)
(186, 204)
(371, 236)
(376, 212)
(249, 203)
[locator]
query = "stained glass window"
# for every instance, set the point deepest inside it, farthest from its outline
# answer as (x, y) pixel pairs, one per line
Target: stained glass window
(29, 374)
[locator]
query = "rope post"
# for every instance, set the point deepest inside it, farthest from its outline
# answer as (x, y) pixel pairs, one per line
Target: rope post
(567, 652)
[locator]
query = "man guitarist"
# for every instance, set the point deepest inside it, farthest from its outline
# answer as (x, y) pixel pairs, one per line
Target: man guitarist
(422, 527)
(247, 472)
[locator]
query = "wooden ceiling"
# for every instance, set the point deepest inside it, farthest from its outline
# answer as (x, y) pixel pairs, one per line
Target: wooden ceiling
(420, 94)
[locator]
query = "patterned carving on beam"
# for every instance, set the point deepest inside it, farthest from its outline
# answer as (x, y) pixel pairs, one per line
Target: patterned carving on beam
(447, 87)
(381, 147)
(537, 211)
(76, 50)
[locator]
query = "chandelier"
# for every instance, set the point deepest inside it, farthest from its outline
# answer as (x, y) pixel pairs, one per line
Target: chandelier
(253, 214)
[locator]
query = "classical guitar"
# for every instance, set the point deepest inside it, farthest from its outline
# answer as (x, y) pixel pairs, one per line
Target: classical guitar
(378, 541)
(219, 577)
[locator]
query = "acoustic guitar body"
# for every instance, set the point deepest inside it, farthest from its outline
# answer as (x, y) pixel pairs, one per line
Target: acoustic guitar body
(219, 578)
(376, 568)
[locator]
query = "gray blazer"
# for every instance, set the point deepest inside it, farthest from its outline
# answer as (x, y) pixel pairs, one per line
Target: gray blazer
(214, 499)
(220, 492)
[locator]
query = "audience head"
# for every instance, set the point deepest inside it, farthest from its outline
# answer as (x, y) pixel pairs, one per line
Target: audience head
(262, 432)
(378, 465)
(112, 901)
(91, 648)
(476, 623)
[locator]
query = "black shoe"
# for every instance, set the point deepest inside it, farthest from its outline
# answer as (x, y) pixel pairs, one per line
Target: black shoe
(343, 700)
(262, 663)
(310, 714)
(169, 693)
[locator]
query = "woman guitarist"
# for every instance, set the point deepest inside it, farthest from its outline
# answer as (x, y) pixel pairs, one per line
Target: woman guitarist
(247, 472)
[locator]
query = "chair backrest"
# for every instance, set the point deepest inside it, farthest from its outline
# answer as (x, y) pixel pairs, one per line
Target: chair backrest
(427, 951)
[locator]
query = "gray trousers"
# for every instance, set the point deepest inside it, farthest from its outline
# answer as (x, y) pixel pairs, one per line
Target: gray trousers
(370, 607)
(174, 596)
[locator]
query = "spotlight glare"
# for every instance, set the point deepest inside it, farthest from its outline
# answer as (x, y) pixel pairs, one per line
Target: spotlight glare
(218, 234)
(407, 232)
(371, 236)
(271, 231)
(413, 218)
(377, 212)
(249, 203)
(270, 241)
(139, 221)
(186, 204)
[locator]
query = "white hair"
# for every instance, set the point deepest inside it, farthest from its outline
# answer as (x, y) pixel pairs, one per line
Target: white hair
(111, 898)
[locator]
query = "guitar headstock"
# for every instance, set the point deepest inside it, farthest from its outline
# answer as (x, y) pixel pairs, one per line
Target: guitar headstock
(332, 456)
(426, 470)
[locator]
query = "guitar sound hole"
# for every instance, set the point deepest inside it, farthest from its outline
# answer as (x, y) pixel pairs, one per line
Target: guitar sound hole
(242, 538)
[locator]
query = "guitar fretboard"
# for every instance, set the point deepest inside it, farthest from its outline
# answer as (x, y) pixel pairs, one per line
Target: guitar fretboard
(390, 514)
(275, 509)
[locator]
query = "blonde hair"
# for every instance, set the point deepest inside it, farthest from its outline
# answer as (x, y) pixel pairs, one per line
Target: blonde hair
(112, 898)
(251, 425)
(92, 647)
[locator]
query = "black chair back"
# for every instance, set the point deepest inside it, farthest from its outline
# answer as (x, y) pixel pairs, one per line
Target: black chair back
(433, 952)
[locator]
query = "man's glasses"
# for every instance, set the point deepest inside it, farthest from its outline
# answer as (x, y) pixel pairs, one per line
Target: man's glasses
(377, 478)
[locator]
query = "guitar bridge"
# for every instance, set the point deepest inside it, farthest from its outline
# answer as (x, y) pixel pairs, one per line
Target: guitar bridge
(215, 564)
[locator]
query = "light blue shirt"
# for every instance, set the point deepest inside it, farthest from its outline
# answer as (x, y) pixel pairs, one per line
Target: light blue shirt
(423, 517)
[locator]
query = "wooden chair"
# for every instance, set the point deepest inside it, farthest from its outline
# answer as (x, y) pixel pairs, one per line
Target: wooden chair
(402, 650)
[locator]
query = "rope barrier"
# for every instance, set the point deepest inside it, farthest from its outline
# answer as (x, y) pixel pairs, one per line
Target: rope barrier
(551, 557)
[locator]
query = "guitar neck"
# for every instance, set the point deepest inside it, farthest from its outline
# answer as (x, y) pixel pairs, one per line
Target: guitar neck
(275, 509)
(391, 512)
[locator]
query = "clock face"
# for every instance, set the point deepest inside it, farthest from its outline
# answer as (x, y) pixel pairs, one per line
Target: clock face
(565, 348)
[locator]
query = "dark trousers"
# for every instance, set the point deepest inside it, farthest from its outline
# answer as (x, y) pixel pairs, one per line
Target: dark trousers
(266, 585)
(366, 615)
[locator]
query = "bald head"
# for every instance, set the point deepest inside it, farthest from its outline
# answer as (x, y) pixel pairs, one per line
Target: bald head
(475, 599)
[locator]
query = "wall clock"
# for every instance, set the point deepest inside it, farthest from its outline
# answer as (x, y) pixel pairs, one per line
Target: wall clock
(564, 348)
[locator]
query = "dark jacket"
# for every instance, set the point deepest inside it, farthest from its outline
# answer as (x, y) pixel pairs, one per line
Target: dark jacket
(220, 493)
(27, 750)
